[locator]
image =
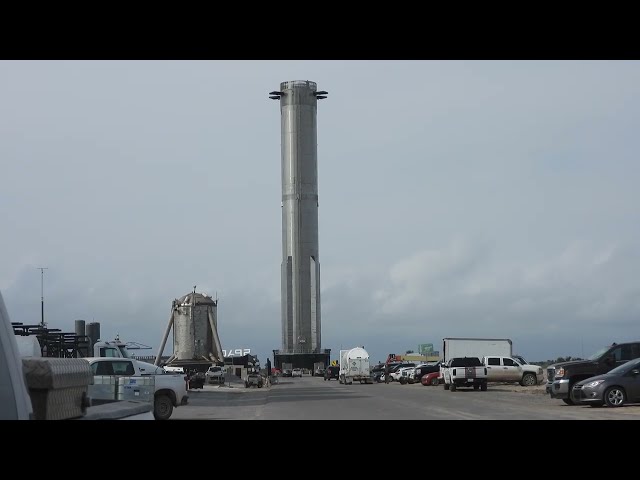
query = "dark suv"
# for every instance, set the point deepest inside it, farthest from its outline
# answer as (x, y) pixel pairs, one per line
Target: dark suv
(332, 372)
(423, 370)
(377, 371)
(561, 377)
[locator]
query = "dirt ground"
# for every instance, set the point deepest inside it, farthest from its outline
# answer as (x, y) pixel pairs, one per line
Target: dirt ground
(514, 387)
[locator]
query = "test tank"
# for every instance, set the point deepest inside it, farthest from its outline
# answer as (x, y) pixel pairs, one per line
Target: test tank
(194, 319)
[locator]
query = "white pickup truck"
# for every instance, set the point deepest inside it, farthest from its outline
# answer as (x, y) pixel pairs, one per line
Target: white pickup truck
(170, 389)
(508, 369)
(170, 386)
(464, 372)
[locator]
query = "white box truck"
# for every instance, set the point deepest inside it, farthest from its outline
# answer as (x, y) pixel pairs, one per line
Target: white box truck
(475, 347)
(354, 365)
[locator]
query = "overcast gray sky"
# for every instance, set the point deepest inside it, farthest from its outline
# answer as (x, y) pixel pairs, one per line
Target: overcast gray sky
(457, 198)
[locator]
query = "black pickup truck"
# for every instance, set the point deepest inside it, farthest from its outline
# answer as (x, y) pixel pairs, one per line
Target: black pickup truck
(562, 376)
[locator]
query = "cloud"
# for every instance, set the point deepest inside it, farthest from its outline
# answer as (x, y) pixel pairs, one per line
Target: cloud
(463, 289)
(426, 278)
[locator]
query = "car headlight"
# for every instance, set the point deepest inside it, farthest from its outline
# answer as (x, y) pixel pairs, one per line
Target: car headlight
(593, 384)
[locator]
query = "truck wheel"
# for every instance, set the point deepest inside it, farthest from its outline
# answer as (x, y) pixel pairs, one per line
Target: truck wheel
(529, 380)
(325, 379)
(614, 397)
(476, 387)
(403, 381)
(260, 385)
(483, 387)
(446, 387)
(162, 407)
(435, 381)
(452, 387)
(568, 401)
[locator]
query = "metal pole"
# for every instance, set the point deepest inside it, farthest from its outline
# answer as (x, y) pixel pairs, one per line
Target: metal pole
(214, 333)
(192, 326)
(164, 340)
(42, 269)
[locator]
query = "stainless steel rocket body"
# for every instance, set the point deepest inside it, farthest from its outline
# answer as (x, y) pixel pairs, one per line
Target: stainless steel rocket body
(300, 255)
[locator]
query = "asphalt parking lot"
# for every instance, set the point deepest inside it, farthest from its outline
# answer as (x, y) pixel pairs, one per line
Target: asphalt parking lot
(312, 398)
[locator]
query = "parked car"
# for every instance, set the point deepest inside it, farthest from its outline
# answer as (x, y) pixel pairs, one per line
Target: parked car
(196, 380)
(509, 370)
(170, 390)
(432, 378)
(214, 374)
(403, 374)
(319, 372)
(613, 389)
(332, 372)
(464, 372)
(422, 370)
(562, 377)
(394, 371)
(254, 379)
(377, 372)
(296, 372)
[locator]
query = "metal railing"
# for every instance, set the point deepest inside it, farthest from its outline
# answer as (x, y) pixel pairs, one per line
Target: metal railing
(55, 343)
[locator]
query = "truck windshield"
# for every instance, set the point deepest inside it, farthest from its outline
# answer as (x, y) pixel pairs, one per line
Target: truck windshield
(520, 360)
(124, 351)
(599, 353)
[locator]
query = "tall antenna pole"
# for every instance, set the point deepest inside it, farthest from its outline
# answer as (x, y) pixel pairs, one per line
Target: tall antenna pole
(42, 269)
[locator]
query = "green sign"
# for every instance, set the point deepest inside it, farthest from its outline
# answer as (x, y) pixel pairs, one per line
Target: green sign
(425, 348)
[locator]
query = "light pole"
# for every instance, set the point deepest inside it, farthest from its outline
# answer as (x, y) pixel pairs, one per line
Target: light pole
(42, 269)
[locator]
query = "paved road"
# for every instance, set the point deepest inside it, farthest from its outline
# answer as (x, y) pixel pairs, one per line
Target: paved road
(313, 398)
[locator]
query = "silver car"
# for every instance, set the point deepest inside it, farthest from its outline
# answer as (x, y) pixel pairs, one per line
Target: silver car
(214, 374)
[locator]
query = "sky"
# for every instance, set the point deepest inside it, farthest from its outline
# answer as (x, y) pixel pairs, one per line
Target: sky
(494, 199)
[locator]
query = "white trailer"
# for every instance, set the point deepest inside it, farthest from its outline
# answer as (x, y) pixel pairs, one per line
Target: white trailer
(354, 365)
(475, 347)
